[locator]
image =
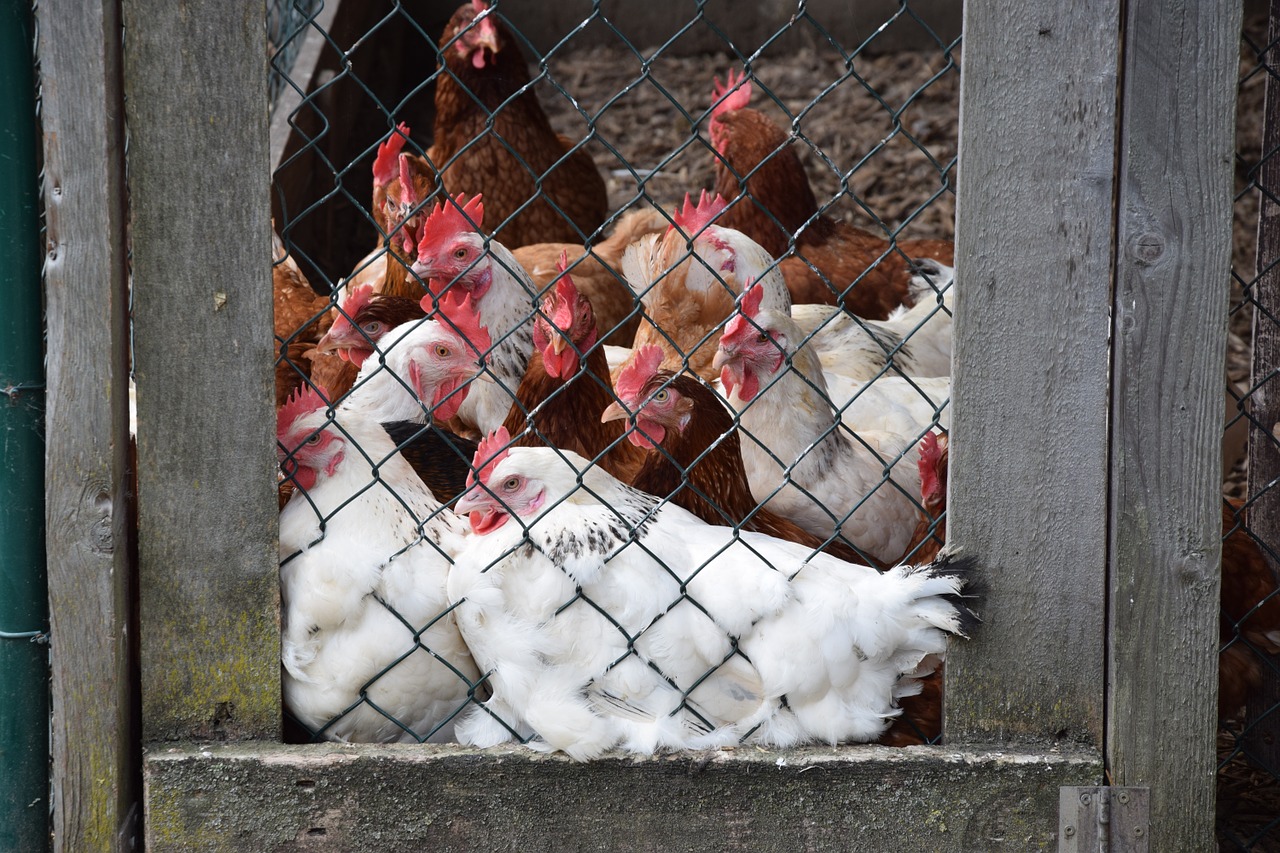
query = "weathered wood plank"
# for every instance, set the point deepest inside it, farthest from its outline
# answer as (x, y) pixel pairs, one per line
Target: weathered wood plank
(1172, 276)
(1029, 436)
(1263, 734)
(198, 163)
(89, 527)
(266, 797)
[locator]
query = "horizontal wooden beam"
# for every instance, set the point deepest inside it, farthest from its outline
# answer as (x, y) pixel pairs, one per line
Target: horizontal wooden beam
(268, 797)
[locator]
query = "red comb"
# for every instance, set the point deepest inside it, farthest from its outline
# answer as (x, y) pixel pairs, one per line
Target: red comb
(492, 449)
(693, 218)
(637, 373)
(566, 289)
(303, 401)
(479, 6)
(384, 167)
(733, 95)
(930, 455)
(451, 217)
(461, 317)
(357, 299)
(748, 306)
(407, 194)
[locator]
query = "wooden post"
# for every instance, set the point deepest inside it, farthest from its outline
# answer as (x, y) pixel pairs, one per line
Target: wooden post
(89, 526)
(1030, 384)
(1173, 264)
(1262, 740)
(198, 177)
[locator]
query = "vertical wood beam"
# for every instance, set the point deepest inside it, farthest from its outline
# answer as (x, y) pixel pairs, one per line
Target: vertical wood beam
(89, 530)
(1172, 274)
(196, 76)
(1030, 383)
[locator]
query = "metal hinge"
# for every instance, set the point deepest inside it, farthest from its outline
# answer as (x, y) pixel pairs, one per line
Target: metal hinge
(1103, 819)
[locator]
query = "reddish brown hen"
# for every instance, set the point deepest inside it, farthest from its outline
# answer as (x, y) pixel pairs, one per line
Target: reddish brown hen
(363, 321)
(770, 200)
(931, 531)
(301, 317)
(560, 393)
(1247, 583)
(476, 102)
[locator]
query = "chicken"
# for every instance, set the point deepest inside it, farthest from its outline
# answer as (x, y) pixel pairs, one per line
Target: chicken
(370, 651)
(700, 464)
(364, 319)
(567, 384)
(300, 320)
(625, 623)
(597, 272)
(491, 137)
(402, 182)
(913, 342)
(826, 475)
(688, 295)
(454, 254)
(771, 202)
(426, 368)
(1250, 624)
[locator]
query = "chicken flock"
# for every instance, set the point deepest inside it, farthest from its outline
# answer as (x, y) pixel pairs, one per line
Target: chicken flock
(594, 480)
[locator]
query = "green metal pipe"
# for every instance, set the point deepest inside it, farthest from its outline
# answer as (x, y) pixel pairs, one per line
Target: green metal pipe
(24, 658)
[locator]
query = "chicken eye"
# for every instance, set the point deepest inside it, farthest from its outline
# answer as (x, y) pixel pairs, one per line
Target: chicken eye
(373, 328)
(511, 484)
(460, 254)
(315, 439)
(442, 350)
(661, 396)
(762, 338)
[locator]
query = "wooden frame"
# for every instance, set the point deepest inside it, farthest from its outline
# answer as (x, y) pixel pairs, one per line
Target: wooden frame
(1084, 438)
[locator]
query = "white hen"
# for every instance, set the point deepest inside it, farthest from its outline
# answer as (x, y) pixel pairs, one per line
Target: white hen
(371, 652)
(604, 620)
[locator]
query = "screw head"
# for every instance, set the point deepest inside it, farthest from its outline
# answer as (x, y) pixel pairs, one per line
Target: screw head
(1124, 798)
(1068, 831)
(1137, 830)
(1085, 799)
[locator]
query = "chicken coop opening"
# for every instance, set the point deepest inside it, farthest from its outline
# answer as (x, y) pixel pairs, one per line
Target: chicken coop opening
(613, 378)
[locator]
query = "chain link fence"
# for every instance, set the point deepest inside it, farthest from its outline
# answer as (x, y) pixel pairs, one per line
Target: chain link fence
(1249, 701)
(836, 159)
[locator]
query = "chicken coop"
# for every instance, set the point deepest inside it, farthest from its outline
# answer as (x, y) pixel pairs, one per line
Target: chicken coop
(1067, 168)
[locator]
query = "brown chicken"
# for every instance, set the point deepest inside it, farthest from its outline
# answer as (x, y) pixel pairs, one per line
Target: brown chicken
(770, 200)
(560, 397)
(701, 468)
(365, 318)
(598, 273)
(301, 317)
(402, 182)
(1247, 583)
(480, 121)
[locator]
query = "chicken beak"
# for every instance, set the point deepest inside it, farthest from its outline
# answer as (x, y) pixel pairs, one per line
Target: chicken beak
(613, 412)
(558, 344)
(474, 499)
(722, 357)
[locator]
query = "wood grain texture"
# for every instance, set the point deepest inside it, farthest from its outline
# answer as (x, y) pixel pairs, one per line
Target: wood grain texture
(1172, 275)
(1262, 736)
(267, 797)
(88, 522)
(1030, 382)
(196, 77)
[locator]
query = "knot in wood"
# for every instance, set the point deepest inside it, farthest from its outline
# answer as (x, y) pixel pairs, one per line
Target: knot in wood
(1147, 248)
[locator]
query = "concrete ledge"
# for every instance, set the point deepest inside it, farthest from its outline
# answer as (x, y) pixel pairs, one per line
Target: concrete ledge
(271, 797)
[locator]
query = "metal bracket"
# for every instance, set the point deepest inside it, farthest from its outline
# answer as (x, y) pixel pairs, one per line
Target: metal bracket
(1103, 819)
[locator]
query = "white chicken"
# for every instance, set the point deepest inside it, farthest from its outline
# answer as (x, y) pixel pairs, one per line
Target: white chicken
(423, 368)
(604, 620)
(454, 253)
(802, 461)
(370, 650)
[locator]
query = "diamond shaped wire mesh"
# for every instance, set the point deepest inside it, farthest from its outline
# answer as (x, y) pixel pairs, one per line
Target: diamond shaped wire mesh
(875, 135)
(1249, 702)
